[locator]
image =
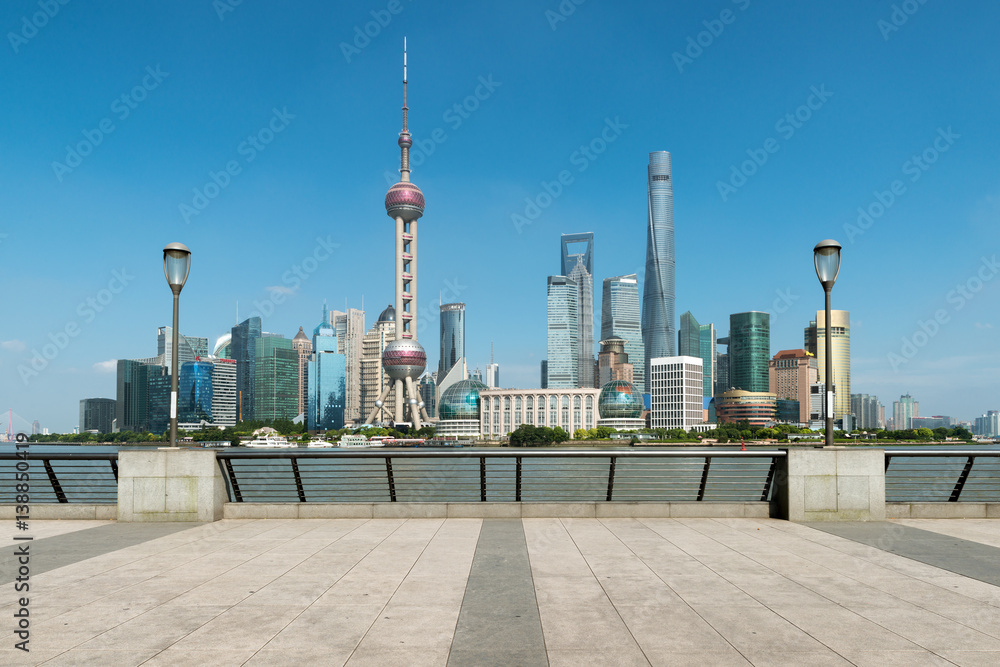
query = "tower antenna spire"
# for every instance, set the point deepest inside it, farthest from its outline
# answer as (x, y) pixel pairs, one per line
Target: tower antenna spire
(404, 137)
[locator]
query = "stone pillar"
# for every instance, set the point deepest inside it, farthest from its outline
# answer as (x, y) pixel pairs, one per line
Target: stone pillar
(832, 484)
(170, 484)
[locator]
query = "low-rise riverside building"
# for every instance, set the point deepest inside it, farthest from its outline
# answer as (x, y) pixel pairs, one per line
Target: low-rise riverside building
(503, 410)
(758, 408)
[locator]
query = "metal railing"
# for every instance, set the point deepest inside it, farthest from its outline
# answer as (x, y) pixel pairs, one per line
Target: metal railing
(63, 477)
(915, 475)
(499, 476)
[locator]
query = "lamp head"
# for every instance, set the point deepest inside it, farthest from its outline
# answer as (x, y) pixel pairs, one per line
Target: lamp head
(176, 265)
(826, 257)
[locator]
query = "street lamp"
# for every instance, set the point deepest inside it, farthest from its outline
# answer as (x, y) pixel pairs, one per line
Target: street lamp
(826, 257)
(176, 265)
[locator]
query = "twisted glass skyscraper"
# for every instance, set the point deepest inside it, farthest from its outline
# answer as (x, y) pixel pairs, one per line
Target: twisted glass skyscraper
(658, 330)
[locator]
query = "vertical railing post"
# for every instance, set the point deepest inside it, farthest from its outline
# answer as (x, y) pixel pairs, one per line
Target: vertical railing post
(957, 491)
(114, 469)
(298, 480)
(704, 478)
(517, 481)
(392, 483)
(769, 480)
(482, 479)
(611, 478)
(54, 481)
(231, 474)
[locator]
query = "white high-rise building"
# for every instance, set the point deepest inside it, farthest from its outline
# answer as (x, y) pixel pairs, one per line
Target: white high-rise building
(350, 327)
(223, 392)
(675, 387)
(374, 380)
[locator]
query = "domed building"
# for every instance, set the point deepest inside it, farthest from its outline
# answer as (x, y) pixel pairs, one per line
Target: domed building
(458, 409)
(620, 406)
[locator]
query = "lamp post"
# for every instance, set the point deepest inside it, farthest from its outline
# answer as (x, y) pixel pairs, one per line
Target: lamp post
(176, 265)
(826, 257)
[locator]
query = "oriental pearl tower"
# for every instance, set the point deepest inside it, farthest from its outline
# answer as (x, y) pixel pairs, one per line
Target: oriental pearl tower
(404, 358)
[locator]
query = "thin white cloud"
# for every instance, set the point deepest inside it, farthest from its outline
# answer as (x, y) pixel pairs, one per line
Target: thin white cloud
(281, 289)
(109, 366)
(981, 325)
(14, 345)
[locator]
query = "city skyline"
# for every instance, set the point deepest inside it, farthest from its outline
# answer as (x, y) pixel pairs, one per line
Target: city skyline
(908, 109)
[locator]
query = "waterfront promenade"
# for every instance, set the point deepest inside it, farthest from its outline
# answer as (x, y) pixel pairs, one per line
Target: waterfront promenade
(508, 592)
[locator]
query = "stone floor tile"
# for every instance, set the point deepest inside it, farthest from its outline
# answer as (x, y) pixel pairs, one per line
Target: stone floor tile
(622, 656)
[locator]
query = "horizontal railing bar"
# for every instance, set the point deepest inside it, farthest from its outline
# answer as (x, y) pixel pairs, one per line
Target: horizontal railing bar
(528, 453)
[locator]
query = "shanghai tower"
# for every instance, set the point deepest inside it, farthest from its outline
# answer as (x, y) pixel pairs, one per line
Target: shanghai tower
(658, 331)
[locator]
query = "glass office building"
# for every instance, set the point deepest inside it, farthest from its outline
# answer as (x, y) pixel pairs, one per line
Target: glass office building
(658, 329)
(131, 397)
(452, 336)
(158, 392)
(194, 397)
(577, 263)
(327, 380)
(749, 351)
(243, 348)
(620, 316)
(276, 379)
(708, 355)
(97, 414)
(563, 333)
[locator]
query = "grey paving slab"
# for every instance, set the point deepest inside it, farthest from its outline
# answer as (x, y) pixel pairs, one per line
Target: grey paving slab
(499, 622)
(50, 553)
(964, 557)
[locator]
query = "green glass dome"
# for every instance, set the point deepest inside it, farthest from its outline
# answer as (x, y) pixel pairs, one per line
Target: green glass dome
(461, 400)
(619, 400)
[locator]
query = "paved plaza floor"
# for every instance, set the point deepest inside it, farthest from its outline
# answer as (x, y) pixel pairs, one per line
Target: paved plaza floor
(506, 592)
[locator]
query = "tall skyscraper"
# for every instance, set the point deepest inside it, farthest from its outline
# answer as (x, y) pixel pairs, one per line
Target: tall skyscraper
(613, 362)
(96, 414)
(194, 395)
(276, 379)
(374, 380)
(689, 336)
(903, 412)
(189, 348)
(158, 392)
(563, 333)
(243, 348)
(708, 359)
(223, 392)
(132, 395)
(327, 379)
(658, 328)
(698, 340)
(303, 347)
(620, 316)
(404, 359)
(790, 375)
(350, 327)
(865, 409)
(452, 336)
(492, 372)
(577, 263)
(749, 350)
(815, 335)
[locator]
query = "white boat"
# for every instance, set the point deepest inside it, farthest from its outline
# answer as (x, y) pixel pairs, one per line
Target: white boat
(349, 441)
(320, 442)
(270, 442)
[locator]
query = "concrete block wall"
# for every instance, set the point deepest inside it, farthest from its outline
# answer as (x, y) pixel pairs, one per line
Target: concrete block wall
(832, 484)
(170, 484)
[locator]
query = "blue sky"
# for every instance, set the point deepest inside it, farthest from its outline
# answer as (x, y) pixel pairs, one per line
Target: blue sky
(710, 82)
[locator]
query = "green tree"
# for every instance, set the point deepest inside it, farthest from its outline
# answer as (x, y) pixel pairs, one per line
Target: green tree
(559, 435)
